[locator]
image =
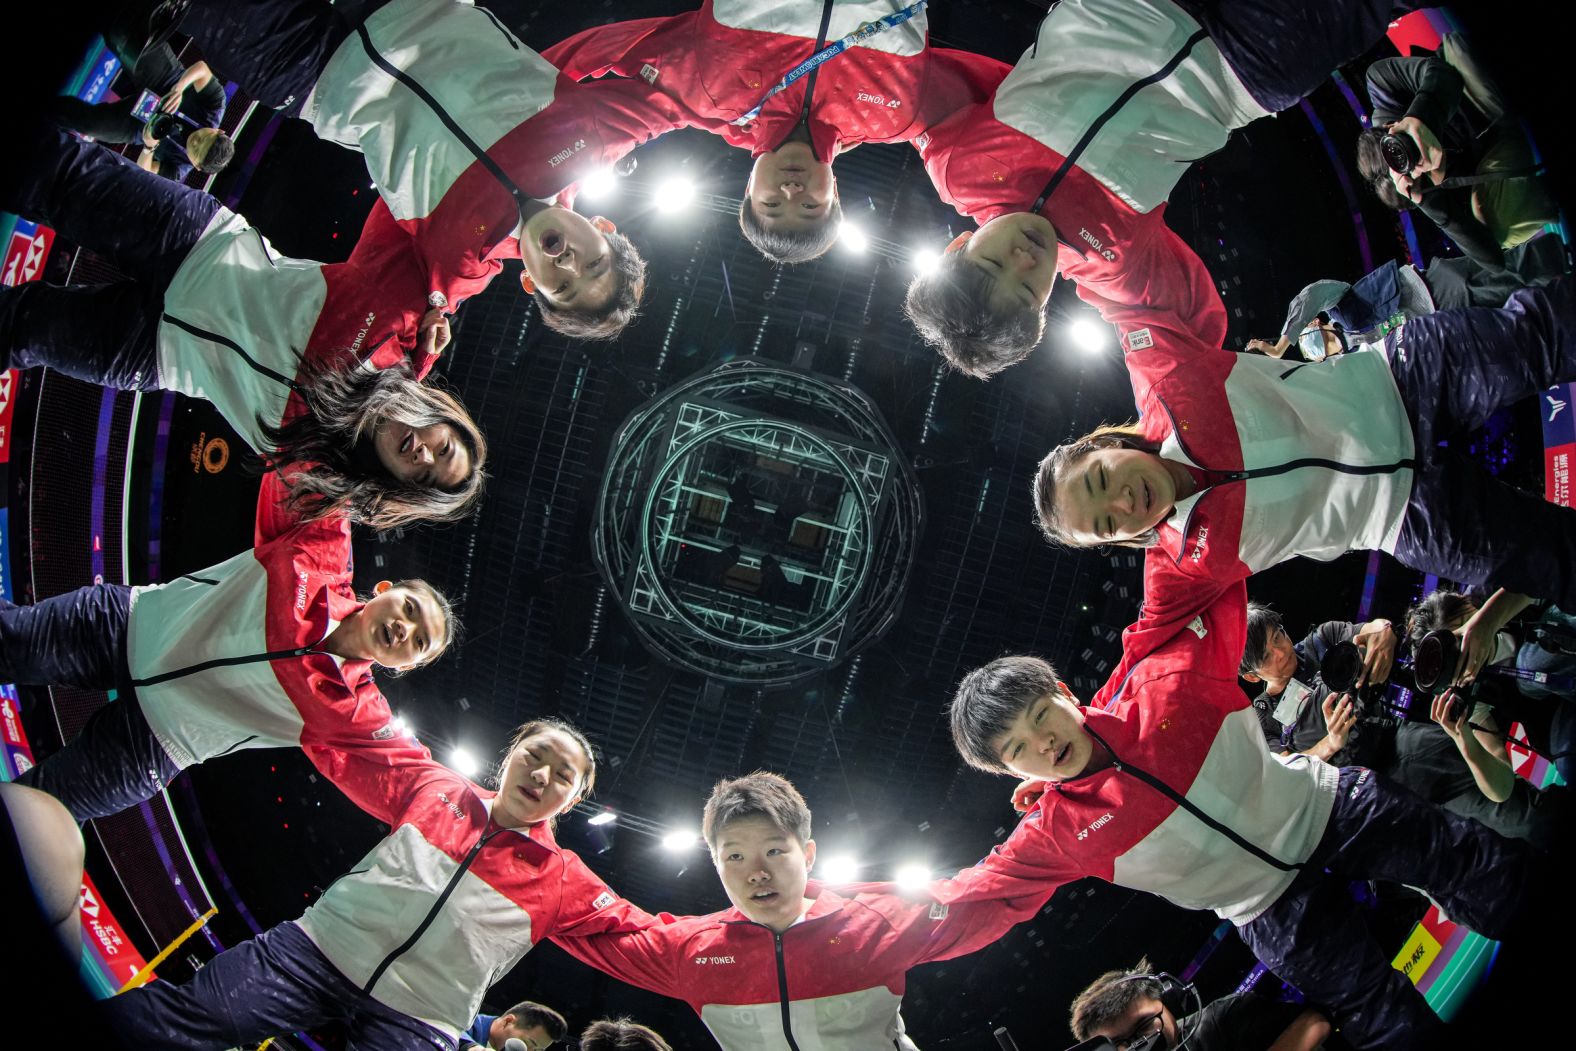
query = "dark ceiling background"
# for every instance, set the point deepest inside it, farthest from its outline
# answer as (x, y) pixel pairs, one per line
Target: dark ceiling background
(866, 741)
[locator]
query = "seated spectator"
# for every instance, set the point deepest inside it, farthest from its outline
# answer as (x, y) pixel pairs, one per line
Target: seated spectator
(1127, 1006)
(618, 1034)
(1475, 175)
(1329, 316)
(182, 133)
(1301, 715)
(531, 1023)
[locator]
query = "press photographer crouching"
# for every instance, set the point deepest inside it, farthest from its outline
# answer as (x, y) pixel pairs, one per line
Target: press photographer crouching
(1146, 1010)
(1526, 666)
(1343, 715)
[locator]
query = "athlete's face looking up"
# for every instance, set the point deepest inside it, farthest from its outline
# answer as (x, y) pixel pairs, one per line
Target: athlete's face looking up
(789, 190)
(764, 870)
(568, 259)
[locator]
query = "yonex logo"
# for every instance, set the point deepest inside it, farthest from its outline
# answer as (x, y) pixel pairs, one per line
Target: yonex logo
(1103, 819)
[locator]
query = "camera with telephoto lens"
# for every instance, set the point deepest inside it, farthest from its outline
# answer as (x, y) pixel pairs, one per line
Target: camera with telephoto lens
(1400, 151)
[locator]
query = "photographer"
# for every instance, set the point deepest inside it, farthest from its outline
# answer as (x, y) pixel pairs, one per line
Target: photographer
(1300, 713)
(1442, 143)
(1128, 1007)
(1544, 646)
(182, 132)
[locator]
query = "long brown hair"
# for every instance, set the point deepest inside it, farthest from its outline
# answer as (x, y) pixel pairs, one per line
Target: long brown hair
(1063, 458)
(333, 469)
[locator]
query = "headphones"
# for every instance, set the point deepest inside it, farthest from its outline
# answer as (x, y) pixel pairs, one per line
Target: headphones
(1173, 994)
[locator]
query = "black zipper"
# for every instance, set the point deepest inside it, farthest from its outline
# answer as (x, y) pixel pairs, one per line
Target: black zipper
(1182, 801)
(222, 662)
(200, 580)
(1121, 100)
(448, 121)
(239, 744)
(225, 341)
(432, 913)
(777, 941)
(1266, 472)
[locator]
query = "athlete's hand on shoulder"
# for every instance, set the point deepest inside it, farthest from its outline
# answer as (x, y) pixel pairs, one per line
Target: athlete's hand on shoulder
(432, 335)
(1027, 794)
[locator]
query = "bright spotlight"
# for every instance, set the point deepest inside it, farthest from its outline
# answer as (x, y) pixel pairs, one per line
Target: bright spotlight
(1088, 336)
(606, 817)
(852, 237)
(402, 726)
(677, 841)
(462, 761)
(925, 261)
(600, 183)
(913, 876)
(675, 193)
(840, 868)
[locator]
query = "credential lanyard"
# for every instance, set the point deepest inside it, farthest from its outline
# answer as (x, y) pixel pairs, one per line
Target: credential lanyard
(831, 51)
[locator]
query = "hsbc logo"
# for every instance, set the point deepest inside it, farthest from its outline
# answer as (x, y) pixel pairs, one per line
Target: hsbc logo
(89, 903)
(24, 259)
(603, 900)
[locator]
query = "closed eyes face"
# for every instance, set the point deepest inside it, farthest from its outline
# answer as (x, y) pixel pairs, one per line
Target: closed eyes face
(430, 457)
(1019, 252)
(541, 779)
(1047, 740)
(1114, 495)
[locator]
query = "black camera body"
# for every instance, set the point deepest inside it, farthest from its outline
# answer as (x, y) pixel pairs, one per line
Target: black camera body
(1400, 151)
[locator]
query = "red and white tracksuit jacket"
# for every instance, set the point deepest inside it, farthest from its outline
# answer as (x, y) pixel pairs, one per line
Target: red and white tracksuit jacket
(225, 658)
(832, 982)
(1092, 128)
(450, 80)
(449, 901)
(716, 64)
(1312, 459)
(1194, 808)
(240, 320)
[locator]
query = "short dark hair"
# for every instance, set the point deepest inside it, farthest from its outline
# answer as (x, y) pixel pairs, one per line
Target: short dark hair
(761, 794)
(1109, 996)
(950, 306)
(792, 246)
(629, 287)
(1262, 622)
(221, 151)
(1376, 171)
(620, 1034)
(988, 700)
(1059, 460)
(1437, 611)
(529, 1013)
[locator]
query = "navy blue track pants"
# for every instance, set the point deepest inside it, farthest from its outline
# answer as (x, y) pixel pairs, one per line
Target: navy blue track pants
(274, 984)
(1315, 939)
(79, 639)
(1454, 370)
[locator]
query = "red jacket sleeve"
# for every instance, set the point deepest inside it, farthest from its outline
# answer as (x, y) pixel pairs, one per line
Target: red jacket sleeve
(1162, 277)
(591, 907)
(621, 48)
(380, 777)
(646, 958)
(1024, 868)
(931, 930)
(956, 79)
